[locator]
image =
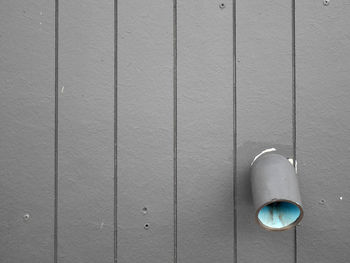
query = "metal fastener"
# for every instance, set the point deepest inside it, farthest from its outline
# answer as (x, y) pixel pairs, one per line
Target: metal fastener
(26, 217)
(146, 226)
(326, 2)
(222, 5)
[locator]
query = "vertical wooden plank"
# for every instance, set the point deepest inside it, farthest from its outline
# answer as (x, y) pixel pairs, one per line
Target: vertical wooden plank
(26, 131)
(264, 115)
(323, 125)
(145, 131)
(85, 214)
(205, 132)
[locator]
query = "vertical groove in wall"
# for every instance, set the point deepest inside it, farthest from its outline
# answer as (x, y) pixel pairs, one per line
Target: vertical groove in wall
(55, 243)
(234, 135)
(294, 80)
(175, 123)
(294, 114)
(115, 206)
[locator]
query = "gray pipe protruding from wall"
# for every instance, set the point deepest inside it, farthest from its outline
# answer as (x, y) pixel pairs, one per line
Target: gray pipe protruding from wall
(276, 194)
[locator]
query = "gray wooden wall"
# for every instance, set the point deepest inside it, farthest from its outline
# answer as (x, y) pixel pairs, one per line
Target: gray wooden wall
(127, 128)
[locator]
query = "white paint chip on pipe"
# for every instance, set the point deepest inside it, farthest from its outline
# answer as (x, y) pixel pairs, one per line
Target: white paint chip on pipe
(264, 151)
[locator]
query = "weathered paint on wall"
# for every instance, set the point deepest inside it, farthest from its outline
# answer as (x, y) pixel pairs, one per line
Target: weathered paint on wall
(323, 125)
(85, 132)
(26, 131)
(205, 132)
(145, 131)
(158, 144)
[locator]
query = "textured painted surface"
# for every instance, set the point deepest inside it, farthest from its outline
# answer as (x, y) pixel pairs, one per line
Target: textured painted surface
(85, 165)
(26, 131)
(264, 115)
(205, 132)
(323, 124)
(145, 131)
(146, 123)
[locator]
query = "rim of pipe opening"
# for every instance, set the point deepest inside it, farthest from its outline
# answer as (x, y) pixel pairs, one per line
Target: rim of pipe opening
(291, 225)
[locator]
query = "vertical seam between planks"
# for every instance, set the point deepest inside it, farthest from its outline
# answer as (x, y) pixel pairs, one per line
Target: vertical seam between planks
(56, 139)
(294, 114)
(294, 81)
(234, 133)
(175, 125)
(115, 174)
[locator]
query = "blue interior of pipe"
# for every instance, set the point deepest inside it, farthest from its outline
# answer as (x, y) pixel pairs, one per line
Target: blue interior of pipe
(279, 214)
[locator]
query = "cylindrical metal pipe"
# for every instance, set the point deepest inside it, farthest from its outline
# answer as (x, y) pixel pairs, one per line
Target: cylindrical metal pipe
(276, 194)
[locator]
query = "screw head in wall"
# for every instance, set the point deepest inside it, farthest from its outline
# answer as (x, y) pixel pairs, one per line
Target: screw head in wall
(222, 5)
(26, 217)
(326, 2)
